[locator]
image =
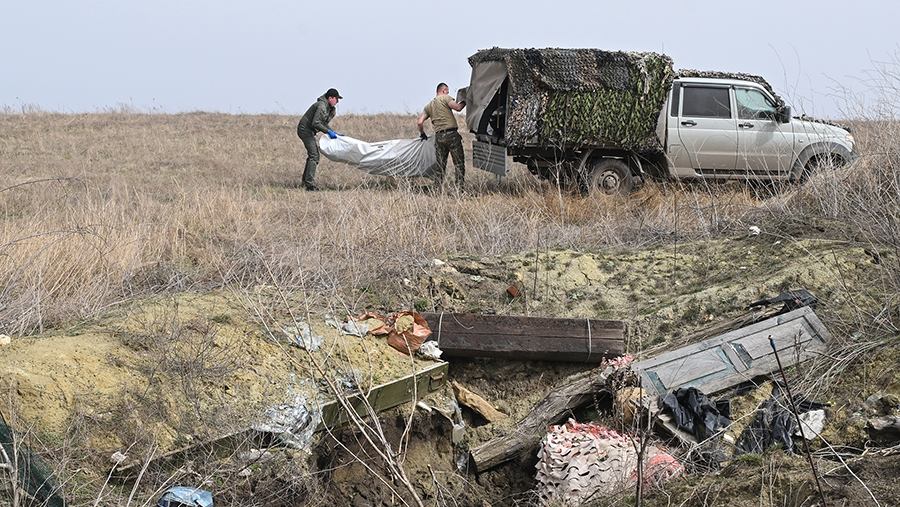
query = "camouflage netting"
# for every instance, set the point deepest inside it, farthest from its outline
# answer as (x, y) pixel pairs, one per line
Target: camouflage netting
(733, 75)
(34, 476)
(583, 96)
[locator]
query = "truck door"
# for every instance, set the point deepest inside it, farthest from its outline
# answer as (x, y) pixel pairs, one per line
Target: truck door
(707, 129)
(765, 146)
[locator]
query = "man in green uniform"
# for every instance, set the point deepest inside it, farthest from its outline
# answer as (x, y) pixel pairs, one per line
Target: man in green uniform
(446, 136)
(314, 121)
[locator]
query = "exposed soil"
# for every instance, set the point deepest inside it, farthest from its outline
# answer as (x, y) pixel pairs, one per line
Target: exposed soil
(156, 375)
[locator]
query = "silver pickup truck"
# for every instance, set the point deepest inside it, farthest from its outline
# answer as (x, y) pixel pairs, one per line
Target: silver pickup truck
(603, 120)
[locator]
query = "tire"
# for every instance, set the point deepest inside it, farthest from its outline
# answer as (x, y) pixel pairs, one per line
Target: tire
(818, 162)
(610, 176)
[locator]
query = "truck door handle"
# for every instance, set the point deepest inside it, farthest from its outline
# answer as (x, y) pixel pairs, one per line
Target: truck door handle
(745, 125)
(689, 123)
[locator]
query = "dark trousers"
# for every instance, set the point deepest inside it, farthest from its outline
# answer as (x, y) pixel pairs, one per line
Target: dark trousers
(312, 160)
(449, 142)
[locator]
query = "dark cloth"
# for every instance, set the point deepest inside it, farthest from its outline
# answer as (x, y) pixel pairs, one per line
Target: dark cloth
(316, 120)
(774, 423)
(449, 142)
(696, 414)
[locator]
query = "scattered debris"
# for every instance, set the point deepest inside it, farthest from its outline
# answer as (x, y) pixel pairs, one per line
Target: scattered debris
(514, 290)
(884, 428)
(450, 409)
(430, 350)
(517, 337)
(301, 336)
(774, 424)
(552, 408)
(182, 496)
(477, 403)
(5, 340)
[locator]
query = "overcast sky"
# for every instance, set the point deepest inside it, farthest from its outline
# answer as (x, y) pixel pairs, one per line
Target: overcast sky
(271, 56)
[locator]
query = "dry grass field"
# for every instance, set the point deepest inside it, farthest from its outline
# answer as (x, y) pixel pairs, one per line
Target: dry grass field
(99, 211)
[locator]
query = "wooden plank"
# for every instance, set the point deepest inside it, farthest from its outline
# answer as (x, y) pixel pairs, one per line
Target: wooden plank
(518, 337)
(734, 357)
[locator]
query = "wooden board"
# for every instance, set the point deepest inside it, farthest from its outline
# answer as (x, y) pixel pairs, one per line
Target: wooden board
(517, 337)
(737, 356)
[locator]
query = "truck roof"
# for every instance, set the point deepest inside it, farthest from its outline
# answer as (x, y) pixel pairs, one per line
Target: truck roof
(708, 76)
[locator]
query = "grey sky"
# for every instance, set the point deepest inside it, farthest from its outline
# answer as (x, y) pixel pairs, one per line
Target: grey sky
(277, 56)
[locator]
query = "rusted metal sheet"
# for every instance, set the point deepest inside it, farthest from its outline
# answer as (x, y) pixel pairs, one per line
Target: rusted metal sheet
(517, 337)
(737, 356)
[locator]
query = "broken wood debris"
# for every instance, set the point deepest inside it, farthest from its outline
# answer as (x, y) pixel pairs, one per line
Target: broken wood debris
(477, 403)
(712, 365)
(533, 338)
(552, 409)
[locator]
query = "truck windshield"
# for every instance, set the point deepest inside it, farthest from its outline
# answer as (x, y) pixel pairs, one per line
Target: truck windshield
(753, 104)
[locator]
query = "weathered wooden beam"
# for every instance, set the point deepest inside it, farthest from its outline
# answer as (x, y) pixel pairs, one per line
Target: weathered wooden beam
(518, 337)
(552, 409)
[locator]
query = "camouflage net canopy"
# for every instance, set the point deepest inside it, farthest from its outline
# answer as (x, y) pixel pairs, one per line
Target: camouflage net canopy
(583, 96)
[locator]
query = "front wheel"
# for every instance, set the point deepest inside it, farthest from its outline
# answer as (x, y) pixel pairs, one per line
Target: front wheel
(609, 176)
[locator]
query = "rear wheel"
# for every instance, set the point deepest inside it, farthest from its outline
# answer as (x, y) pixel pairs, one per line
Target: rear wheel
(610, 176)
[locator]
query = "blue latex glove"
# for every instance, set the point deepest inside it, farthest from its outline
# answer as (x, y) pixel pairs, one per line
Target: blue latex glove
(423, 136)
(332, 134)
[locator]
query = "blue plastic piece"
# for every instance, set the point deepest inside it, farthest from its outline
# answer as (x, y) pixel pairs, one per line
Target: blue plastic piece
(183, 496)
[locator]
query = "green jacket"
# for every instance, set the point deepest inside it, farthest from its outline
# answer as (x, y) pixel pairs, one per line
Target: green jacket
(316, 118)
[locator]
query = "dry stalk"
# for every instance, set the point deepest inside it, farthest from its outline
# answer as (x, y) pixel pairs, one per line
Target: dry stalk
(373, 434)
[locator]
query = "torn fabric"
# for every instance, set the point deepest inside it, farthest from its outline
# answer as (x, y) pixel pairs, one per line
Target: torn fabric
(399, 158)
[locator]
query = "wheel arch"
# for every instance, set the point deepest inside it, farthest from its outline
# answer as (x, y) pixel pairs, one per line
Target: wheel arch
(814, 151)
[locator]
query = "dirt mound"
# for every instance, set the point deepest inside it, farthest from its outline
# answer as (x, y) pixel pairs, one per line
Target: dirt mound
(173, 370)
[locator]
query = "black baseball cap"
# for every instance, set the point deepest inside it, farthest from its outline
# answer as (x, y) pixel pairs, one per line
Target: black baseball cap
(333, 93)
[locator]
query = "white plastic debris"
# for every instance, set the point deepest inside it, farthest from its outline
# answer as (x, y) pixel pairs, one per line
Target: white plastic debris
(754, 230)
(430, 350)
(301, 336)
(813, 423)
(4, 340)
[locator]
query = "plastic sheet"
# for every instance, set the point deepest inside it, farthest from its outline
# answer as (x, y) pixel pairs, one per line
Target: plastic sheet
(400, 158)
(696, 414)
(774, 424)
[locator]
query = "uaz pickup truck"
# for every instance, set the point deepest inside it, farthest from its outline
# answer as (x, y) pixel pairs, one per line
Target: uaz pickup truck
(605, 120)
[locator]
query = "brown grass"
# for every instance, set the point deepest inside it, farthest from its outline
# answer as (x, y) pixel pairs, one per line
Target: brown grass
(98, 208)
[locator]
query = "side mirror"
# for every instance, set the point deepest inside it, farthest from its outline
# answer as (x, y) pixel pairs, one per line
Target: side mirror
(783, 115)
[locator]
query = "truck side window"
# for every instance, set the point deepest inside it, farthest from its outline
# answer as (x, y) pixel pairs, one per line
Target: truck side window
(753, 104)
(706, 102)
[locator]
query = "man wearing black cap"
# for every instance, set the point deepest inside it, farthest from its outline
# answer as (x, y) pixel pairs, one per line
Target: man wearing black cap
(314, 121)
